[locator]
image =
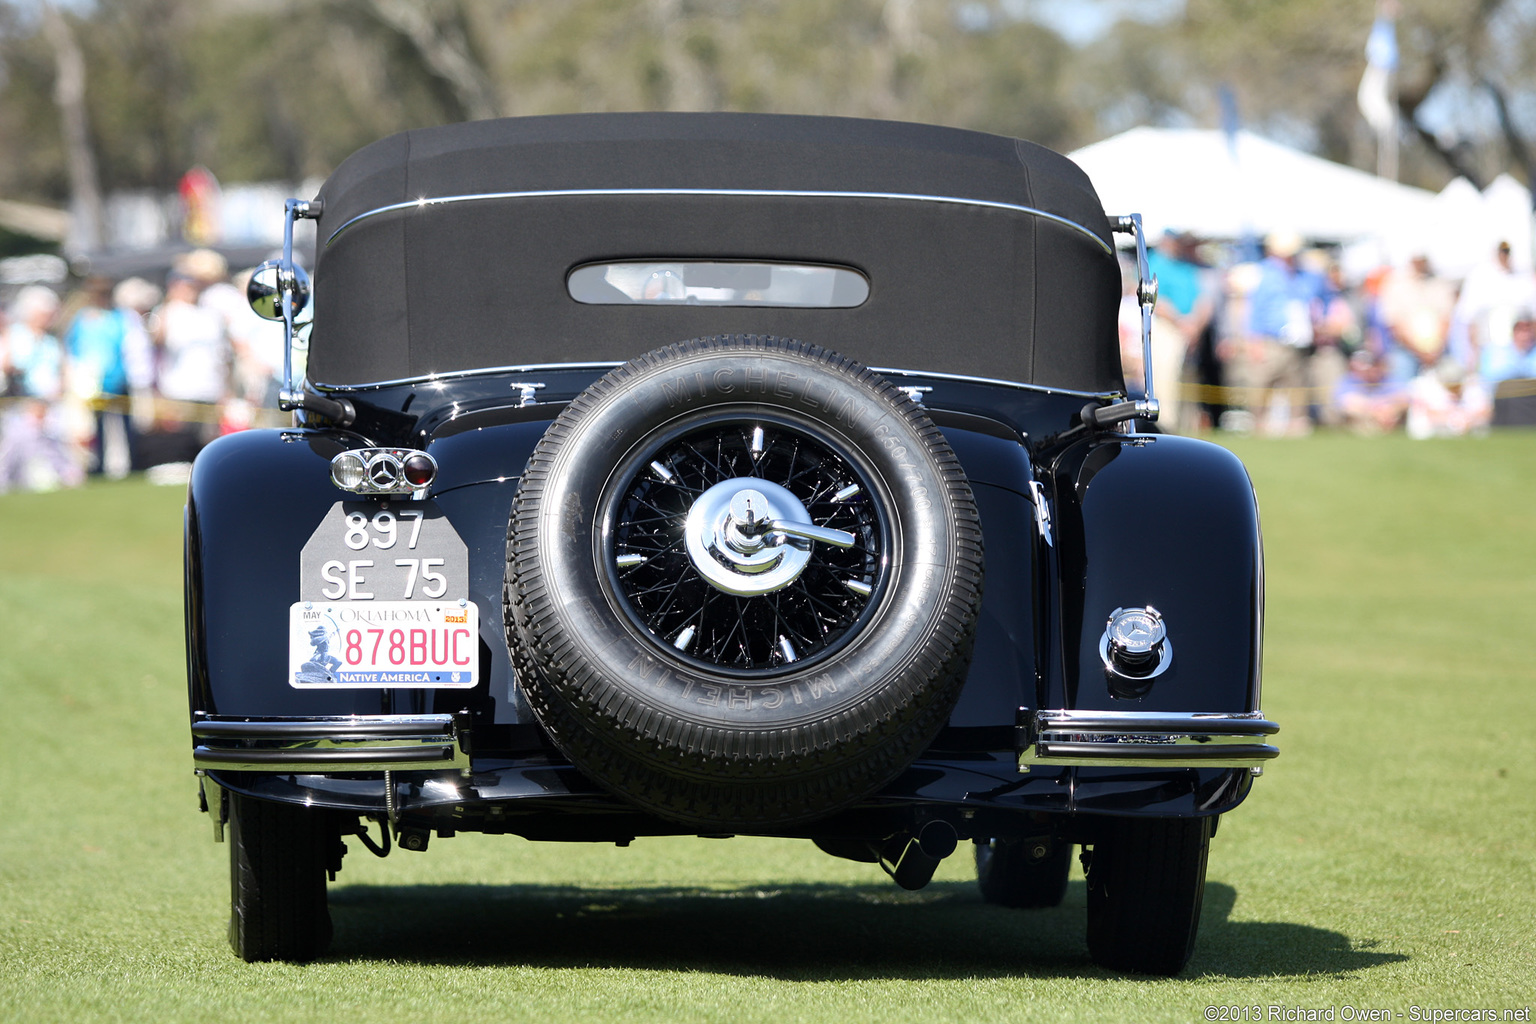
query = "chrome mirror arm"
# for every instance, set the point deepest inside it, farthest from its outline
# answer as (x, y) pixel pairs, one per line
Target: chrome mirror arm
(1146, 297)
(278, 290)
(289, 398)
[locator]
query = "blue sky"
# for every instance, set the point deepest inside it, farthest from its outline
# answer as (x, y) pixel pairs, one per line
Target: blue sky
(1079, 21)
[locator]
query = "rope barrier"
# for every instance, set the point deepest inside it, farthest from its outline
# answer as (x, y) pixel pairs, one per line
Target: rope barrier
(1223, 394)
(159, 409)
(1518, 388)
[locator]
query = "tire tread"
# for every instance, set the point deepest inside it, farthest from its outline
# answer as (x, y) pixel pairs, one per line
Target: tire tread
(278, 855)
(731, 777)
(1146, 883)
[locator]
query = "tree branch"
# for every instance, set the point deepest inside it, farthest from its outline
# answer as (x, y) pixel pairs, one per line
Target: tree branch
(445, 51)
(1519, 150)
(69, 94)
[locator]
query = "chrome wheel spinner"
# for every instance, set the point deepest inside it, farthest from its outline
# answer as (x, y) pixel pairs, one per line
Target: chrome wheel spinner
(750, 537)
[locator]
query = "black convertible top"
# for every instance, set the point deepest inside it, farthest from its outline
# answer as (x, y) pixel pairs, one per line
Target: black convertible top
(986, 256)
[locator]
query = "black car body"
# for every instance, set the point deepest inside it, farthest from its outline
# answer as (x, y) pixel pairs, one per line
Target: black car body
(723, 474)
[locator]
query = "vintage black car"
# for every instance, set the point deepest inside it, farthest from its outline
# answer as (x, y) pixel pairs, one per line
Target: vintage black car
(716, 474)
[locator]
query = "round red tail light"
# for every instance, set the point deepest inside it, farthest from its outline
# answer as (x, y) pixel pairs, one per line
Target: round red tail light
(419, 469)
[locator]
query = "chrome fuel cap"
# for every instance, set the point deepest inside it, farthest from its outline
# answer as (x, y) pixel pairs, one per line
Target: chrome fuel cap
(1135, 643)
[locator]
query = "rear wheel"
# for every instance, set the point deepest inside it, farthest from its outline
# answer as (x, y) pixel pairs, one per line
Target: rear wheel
(279, 856)
(1146, 880)
(1029, 874)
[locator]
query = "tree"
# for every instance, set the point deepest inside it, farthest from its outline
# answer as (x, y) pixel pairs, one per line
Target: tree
(1295, 66)
(437, 30)
(69, 94)
(287, 89)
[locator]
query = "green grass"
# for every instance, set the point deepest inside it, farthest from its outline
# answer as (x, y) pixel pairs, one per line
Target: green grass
(1386, 860)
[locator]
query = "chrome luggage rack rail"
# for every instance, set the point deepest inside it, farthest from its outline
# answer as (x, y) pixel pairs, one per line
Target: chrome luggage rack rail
(329, 744)
(1145, 739)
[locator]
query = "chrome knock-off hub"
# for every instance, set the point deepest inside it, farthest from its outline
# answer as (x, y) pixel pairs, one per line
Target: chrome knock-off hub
(749, 536)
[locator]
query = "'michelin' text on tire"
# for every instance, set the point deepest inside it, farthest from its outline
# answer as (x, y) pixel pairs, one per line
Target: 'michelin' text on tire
(742, 583)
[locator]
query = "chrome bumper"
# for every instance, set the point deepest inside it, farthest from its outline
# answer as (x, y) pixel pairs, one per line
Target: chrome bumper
(1146, 739)
(353, 743)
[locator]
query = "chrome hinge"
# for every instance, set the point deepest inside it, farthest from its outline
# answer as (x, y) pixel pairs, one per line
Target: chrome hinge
(1042, 512)
(914, 391)
(528, 392)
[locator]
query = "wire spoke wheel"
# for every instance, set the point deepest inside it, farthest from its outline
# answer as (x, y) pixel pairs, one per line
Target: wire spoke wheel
(743, 575)
(698, 603)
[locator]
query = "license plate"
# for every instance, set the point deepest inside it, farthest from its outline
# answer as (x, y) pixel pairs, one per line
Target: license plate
(384, 601)
(383, 644)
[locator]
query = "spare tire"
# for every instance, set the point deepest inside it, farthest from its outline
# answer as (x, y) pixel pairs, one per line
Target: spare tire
(743, 575)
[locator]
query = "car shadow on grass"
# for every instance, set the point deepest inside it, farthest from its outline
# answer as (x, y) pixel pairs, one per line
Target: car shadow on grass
(800, 932)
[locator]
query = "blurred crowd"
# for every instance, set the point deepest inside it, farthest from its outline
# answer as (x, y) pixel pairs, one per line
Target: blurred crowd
(120, 376)
(1284, 343)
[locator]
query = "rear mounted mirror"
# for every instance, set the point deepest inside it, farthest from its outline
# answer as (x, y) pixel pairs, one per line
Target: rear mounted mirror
(266, 285)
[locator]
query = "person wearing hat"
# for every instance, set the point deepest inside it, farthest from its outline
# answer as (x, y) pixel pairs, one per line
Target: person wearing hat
(30, 354)
(1416, 307)
(1278, 333)
(1517, 360)
(191, 371)
(1446, 401)
(36, 451)
(211, 272)
(1484, 318)
(1368, 402)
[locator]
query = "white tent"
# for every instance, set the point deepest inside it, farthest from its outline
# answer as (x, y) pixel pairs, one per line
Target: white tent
(1472, 224)
(1195, 180)
(1459, 231)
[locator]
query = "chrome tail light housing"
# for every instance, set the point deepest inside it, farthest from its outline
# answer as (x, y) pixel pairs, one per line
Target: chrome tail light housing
(374, 471)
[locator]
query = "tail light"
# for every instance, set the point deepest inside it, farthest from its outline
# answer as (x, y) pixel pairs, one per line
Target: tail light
(384, 471)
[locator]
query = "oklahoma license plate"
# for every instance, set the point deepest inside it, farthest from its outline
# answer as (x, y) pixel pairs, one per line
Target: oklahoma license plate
(383, 644)
(383, 601)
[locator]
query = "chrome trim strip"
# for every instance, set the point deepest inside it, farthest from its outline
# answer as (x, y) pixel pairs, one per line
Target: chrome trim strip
(317, 761)
(340, 726)
(889, 371)
(1141, 721)
(424, 202)
(350, 743)
(432, 378)
(1147, 738)
(967, 379)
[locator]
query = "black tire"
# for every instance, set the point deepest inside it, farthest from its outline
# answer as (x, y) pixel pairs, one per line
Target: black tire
(279, 855)
(1029, 874)
(1146, 881)
(777, 707)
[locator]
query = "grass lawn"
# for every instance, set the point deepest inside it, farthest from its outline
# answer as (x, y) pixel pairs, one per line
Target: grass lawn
(1387, 860)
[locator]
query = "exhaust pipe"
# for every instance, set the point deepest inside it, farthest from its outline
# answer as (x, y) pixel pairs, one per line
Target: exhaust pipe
(911, 860)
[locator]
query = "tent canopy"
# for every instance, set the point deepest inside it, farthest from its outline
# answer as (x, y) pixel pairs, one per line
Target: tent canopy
(1193, 180)
(1196, 181)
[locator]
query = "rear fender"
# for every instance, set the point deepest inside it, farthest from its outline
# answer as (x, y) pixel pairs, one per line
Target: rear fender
(253, 501)
(1172, 523)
